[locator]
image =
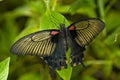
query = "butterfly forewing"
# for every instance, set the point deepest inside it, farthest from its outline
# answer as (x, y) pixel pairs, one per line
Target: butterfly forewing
(39, 43)
(85, 31)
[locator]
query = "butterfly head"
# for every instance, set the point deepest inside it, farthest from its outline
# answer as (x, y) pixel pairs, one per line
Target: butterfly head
(62, 27)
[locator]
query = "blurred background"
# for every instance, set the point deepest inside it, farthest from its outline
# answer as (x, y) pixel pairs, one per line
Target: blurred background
(102, 56)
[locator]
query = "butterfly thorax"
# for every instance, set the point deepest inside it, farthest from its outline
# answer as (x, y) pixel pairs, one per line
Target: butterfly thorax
(63, 29)
(64, 35)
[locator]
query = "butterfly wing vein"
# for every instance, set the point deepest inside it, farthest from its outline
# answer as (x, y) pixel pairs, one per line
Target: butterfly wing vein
(87, 30)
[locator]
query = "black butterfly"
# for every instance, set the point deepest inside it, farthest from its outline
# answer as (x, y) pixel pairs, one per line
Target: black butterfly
(52, 45)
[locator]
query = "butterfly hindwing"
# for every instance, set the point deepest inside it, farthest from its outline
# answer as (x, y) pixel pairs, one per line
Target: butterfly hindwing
(76, 53)
(85, 31)
(41, 43)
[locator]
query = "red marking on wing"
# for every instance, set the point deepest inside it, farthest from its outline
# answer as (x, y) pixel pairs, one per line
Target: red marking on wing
(54, 32)
(72, 27)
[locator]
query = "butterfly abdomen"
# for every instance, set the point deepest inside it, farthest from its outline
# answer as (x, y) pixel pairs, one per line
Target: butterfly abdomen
(56, 63)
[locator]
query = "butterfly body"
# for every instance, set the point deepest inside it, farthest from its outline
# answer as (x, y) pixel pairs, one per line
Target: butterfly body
(52, 45)
(64, 41)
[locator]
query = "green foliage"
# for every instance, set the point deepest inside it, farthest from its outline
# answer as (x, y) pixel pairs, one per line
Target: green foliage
(102, 56)
(4, 69)
(51, 19)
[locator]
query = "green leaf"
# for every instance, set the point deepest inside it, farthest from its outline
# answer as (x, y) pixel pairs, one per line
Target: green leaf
(4, 68)
(65, 74)
(52, 20)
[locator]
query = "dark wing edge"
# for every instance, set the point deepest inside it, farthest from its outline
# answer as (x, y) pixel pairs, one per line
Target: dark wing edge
(86, 30)
(38, 43)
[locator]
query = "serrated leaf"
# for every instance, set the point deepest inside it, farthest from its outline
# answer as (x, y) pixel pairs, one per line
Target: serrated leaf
(4, 69)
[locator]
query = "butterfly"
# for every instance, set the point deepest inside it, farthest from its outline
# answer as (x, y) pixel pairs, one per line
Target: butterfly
(52, 45)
